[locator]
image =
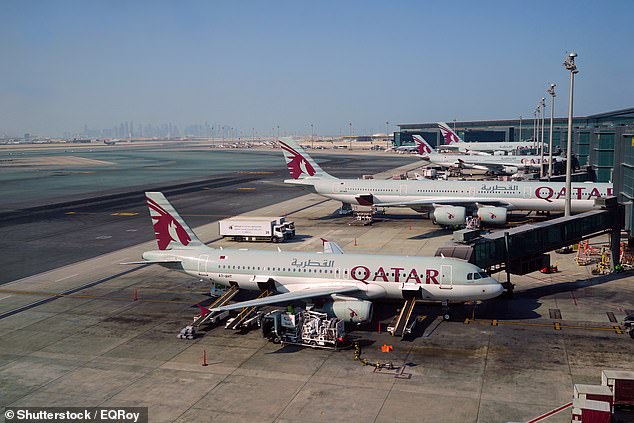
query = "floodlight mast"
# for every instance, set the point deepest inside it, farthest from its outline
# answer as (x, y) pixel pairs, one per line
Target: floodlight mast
(551, 91)
(542, 105)
(570, 66)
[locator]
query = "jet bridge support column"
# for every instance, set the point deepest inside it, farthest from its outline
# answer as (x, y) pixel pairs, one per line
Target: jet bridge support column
(507, 285)
(615, 247)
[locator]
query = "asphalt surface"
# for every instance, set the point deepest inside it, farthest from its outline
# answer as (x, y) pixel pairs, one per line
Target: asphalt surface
(48, 236)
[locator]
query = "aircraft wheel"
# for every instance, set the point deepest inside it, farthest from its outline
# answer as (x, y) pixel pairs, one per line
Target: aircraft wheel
(446, 316)
(276, 340)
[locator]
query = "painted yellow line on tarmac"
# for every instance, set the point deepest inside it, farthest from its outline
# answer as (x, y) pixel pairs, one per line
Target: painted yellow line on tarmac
(124, 214)
(555, 325)
(246, 189)
(72, 212)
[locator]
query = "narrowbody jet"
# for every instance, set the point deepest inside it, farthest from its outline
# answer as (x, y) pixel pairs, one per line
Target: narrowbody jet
(346, 284)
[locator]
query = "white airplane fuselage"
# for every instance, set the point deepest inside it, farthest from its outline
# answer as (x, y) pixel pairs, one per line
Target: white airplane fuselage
(488, 146)
(376, 276)
(530, 196)
(451, 160)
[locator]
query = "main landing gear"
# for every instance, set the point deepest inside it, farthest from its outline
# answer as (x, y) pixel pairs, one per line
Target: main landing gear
(446, 315)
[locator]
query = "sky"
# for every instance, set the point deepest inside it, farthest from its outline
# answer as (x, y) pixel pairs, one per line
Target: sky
(259, 64)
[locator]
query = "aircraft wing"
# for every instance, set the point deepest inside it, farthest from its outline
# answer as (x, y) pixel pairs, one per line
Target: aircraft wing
(165, 261)
(289, 296)
(457, 201)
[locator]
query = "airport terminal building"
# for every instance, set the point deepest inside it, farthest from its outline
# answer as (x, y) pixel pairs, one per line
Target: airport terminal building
(604, 141)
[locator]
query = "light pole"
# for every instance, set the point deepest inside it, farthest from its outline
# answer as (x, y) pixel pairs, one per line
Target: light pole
(278, 131)
(534, 129)
(570, 66)
(350, 148)
(454, 125)
(541, 163)
(520, 128)
(312, 137)
(551, 91)
(387, 134)
(537, 128)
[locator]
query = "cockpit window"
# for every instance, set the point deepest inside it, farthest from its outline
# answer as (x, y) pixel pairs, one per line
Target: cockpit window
(484, 274)
(469, 276)
(476, 276)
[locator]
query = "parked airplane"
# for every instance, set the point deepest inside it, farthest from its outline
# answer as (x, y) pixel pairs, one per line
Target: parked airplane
(499, 165)
(453, 141)
(448, 200)
(346, 284)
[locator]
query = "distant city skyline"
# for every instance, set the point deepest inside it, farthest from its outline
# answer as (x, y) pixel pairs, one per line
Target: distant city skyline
(255, 65)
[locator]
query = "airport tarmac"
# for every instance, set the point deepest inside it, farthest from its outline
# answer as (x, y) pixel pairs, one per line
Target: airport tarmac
(512, 362)
(105, 207)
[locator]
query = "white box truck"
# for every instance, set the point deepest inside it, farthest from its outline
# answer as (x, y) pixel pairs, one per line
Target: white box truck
(247, 228)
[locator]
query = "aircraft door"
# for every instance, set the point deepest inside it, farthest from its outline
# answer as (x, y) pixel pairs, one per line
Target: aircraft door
(446, 279)
(203, 261)
(528, 192)
(403, 189)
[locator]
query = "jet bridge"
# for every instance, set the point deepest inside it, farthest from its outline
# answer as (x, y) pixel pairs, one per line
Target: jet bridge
(523, 249)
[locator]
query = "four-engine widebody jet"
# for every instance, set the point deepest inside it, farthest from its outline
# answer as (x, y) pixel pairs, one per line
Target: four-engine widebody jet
(499, 165)
(453, 141)
(345, 283)
(449, 200)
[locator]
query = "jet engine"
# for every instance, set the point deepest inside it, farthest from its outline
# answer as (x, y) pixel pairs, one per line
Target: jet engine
(492, 215)
(353, 311)
(449, 215)
(510, 170)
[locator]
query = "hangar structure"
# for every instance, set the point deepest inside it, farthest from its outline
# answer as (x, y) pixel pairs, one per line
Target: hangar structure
(604, 141)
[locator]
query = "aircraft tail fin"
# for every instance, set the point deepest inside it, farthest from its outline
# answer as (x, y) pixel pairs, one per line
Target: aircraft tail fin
(170, 229)
(301, 166)
(423, 146)
(448, 134)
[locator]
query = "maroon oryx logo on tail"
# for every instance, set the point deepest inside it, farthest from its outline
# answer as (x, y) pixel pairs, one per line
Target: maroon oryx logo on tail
(166, 228)
(449, 136)
(296, 163)
(423, 146)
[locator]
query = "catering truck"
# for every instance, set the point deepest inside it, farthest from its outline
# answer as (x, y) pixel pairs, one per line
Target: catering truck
(248, 228)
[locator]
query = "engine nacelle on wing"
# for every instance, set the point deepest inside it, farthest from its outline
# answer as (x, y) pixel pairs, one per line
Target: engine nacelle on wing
(510, 170)
(449, 215)
(353, 311)
(492, 215)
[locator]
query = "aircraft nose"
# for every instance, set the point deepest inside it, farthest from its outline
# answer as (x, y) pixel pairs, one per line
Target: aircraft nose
(498, 288)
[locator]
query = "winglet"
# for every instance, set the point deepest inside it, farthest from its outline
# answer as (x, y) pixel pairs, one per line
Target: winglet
(203, 310)
(331, 247)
